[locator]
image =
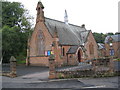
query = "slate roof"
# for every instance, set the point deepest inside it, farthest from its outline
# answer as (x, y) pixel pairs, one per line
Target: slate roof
(116, 38)
(72, 50)
(101, 46)
(68, 34)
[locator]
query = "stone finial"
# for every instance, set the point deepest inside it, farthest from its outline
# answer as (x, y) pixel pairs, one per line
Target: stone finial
(40, 3)
(12, 59)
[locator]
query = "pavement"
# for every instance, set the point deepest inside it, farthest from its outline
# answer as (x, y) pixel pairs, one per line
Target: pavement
(37, 77)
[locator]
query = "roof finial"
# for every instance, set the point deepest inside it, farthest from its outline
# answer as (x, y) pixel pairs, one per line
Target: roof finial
(66, 17)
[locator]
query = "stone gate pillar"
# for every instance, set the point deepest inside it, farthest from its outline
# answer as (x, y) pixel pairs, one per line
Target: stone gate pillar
(13, 66)
(52, 72)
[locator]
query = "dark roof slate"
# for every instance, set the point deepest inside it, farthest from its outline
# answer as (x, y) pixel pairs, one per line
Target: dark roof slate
(68, 34)
(72, 50)
(116, 38)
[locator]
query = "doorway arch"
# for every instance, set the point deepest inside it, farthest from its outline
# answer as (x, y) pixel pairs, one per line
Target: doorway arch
(79, 55)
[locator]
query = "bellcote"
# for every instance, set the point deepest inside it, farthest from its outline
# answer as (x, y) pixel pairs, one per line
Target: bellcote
(40, 12)
(66, 17)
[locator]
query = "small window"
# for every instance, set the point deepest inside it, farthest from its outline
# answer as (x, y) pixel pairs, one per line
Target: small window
(63, 52)
(112, 52)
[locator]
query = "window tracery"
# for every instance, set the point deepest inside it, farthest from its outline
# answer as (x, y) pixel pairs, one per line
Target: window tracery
(41, 44)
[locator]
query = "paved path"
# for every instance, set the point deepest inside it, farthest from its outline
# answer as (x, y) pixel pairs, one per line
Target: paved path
(27, 72)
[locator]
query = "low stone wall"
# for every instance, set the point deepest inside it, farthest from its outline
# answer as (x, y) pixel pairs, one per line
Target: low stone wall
(84, 73)
(74, 74)
(101, 61)
(100, 68)
(107, 69)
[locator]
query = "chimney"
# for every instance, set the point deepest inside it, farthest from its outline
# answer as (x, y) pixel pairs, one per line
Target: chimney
(83, 25)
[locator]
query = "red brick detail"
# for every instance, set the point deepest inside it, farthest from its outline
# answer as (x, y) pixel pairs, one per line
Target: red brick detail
(41, 61)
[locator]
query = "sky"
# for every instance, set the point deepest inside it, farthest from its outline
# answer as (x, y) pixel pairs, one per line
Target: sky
(98, 15)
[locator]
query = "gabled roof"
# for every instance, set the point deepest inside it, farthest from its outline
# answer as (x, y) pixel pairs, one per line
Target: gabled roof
(72, 50)
(68, 34)
(115, 38)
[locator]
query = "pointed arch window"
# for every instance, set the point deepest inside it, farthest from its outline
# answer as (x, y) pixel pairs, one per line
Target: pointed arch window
(41, 43)
(91, 48)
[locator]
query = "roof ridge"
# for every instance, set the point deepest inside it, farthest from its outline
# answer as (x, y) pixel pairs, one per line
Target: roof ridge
(62, 22)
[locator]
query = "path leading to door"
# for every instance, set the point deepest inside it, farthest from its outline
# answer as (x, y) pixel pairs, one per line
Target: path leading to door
(37, 75)
(30, 72)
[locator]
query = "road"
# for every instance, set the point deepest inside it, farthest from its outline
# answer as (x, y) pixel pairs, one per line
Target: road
(109, 82)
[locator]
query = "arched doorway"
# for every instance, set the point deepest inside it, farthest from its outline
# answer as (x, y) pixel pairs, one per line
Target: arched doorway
(79, 56)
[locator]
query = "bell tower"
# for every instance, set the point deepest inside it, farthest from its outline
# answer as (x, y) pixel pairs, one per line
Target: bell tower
(40, 12)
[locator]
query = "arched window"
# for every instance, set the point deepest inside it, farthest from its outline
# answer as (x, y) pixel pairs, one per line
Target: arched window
(91, 48)
(41, 45)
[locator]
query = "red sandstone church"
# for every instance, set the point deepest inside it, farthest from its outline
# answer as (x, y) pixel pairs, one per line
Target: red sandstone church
(71, 44)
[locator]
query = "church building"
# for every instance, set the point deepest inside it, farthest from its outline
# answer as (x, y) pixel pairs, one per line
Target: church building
(69, 43)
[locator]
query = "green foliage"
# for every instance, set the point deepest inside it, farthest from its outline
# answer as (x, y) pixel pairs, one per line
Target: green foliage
(21, 61)
(118, 59)
(110, 33)
(60, 76)
(11, 13)
(100, 37)
(117, 33)
(15, 30)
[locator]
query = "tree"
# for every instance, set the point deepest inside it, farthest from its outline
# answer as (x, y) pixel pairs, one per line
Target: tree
(15, 30)
(99, 37)
(14, 14)
(110, 33)
(117, 33)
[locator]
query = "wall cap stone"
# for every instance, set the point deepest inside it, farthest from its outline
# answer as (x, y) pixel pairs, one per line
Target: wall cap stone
(12, 59)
